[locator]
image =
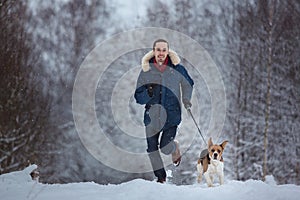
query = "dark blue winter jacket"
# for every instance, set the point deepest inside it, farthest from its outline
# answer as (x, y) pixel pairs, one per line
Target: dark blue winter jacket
(162, 92)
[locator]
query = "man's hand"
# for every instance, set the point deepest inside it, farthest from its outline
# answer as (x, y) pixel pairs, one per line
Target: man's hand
(187, 104)
(150, 90)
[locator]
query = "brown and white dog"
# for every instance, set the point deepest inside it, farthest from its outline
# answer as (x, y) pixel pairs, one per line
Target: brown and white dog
(211, 163)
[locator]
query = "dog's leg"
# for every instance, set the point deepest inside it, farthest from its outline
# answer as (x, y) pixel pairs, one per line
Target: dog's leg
(221, 173)
(211, 178)
(200, 172)
(208, 179)
(221, 178)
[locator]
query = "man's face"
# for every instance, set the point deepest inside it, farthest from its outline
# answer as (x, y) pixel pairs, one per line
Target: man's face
(160, 52)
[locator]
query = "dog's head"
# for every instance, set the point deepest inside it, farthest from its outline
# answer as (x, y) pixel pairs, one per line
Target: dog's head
(216, 150)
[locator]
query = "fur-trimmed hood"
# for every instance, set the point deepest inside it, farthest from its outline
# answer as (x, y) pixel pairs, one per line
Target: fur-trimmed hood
(145, 60)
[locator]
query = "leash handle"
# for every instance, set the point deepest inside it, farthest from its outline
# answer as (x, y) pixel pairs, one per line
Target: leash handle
(190, 112)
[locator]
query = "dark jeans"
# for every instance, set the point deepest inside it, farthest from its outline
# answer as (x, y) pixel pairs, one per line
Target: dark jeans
(166, 145)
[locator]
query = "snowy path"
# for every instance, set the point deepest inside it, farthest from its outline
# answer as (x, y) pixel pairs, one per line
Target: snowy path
(18, 186)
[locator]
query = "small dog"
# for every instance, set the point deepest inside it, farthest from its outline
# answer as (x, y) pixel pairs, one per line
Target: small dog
(211, 163)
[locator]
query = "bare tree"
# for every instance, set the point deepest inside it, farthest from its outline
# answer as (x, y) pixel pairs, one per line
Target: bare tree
(23, 105)
(267, 87)
(159, 14)
(73, 30)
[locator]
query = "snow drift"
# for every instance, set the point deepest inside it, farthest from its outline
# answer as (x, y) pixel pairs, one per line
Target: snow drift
(19, 185)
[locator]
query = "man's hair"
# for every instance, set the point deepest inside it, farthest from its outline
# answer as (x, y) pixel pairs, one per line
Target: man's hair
(160, 40)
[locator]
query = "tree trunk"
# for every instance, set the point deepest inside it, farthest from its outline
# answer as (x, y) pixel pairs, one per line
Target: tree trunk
(268, 100)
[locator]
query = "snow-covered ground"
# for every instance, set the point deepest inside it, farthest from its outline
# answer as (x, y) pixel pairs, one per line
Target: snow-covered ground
(18, 185)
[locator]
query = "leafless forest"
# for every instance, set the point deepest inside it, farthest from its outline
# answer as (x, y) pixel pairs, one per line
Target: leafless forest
(255, 44)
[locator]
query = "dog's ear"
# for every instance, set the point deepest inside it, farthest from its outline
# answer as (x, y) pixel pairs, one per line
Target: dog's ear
(210, 143)
(224, 144)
